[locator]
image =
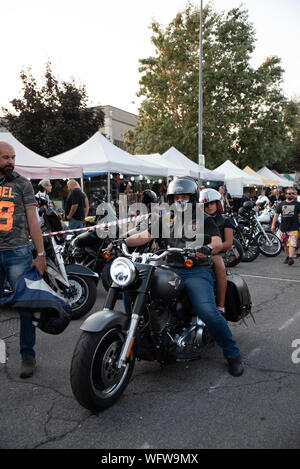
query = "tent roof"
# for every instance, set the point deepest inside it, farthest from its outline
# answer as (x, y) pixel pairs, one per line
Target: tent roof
(172, 168)
(98, 154)
(34, 166)
(265, 182)
(268, 174)
(232, 172)
(179, 159)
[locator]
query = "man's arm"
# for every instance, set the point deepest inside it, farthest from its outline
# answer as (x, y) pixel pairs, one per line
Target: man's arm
(138, 239)
(37, 238)
(86, 207)
(275, 218)
(72, 211)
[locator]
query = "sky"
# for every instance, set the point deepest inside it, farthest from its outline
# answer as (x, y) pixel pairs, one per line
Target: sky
(99, 42)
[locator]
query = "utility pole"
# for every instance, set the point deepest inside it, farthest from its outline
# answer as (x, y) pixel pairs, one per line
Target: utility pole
(201, 158)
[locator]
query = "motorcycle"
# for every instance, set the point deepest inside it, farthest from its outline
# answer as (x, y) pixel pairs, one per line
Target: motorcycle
(75, 282)
(246, 239)
(267, 242)
(266, 218)
(162, 326)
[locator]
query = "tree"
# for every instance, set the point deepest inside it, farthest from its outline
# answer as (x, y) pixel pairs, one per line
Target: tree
(54, 118)
(243, 107)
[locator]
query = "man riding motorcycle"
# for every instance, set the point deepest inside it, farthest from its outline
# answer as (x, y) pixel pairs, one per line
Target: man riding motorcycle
(199, 279)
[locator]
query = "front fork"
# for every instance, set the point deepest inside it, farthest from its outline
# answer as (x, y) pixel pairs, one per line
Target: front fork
(59, 260)
(138, 307)
(263, 230)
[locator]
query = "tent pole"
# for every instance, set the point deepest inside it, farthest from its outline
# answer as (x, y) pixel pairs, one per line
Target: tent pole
(108, 187)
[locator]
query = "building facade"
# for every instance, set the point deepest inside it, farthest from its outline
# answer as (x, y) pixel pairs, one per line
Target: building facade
(116, 122)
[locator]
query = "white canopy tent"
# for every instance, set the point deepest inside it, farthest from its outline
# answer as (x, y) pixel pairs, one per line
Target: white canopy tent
(34, 166)
(176, 158)
(268, 174)
(172, 168)
(99, 155)
(236, 178)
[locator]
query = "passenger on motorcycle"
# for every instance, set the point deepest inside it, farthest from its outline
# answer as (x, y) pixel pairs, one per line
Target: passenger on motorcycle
(199, 279)
(212, 206)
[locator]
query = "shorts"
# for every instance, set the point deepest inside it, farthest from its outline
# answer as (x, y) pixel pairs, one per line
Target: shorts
(289, 238)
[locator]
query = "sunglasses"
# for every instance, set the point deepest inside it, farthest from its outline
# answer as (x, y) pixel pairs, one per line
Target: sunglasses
(290, 193)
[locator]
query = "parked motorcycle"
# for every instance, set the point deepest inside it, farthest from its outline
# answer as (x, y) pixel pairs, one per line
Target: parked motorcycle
(75, 282)
(266, 218)
(268, 243)
(162, 326)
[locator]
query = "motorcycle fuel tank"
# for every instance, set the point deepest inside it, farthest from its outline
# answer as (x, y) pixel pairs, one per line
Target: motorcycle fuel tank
(166, 283)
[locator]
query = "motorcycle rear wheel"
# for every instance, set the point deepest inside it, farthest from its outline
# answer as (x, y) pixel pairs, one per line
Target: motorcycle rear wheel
(269, 250)
(96, 381)
(251, 252)
(234, 255)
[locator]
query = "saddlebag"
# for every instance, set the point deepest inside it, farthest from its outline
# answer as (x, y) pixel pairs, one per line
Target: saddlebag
(238, 301)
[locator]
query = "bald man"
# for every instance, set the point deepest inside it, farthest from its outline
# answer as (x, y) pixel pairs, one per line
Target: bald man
(18, 220)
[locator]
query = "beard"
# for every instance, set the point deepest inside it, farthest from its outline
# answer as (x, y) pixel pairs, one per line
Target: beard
(7, 170)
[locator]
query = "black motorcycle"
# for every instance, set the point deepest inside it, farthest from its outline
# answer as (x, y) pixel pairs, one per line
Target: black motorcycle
(76, 283)
(162, 326)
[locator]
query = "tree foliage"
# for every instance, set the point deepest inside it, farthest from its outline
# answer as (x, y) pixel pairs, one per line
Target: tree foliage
(53, 118)
(246, 117)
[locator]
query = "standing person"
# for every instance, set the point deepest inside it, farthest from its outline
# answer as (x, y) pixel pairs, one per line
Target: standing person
(275, 197)
(17, 221)
(224, 198)
(76, 205)
(262, 200)
(44, 189)
(289, 226)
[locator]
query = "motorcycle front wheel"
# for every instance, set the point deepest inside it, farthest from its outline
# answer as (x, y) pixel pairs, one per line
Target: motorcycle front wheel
(96, 381)
(269, 248)
(82, 295)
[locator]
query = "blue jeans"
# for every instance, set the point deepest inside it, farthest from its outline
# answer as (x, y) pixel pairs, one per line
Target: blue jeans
(199, 282)
(73, 224)
(13, 263)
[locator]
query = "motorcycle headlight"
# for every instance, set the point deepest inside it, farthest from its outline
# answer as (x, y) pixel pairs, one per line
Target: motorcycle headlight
(122, 271)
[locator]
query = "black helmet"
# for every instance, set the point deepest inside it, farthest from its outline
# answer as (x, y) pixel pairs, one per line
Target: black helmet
(183, 185)
(149, 197)
(244, 213)
(54, 322)
(248, 205)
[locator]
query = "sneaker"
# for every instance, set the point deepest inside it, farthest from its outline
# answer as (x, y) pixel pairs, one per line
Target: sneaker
(28, 366)
(286, 260)
(235, 366)
(291, 261)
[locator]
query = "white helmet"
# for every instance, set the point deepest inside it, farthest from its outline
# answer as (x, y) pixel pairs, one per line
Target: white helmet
(211, 195)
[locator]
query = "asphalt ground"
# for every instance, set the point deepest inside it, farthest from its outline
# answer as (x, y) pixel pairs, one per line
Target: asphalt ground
(188, 405)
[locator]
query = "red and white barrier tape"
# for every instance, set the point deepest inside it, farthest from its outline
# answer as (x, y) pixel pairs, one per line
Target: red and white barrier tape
(102, 225)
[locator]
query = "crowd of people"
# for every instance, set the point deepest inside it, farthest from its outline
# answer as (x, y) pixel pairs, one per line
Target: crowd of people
(19, 221)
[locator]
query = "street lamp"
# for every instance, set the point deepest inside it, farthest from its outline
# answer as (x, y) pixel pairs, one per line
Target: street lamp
(201, 158)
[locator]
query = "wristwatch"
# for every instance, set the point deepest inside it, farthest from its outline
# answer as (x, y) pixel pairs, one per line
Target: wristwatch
(39, 254)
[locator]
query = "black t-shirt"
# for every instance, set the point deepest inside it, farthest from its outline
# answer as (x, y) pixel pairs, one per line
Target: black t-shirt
(289, 212)
(76, 197)
(274, 199)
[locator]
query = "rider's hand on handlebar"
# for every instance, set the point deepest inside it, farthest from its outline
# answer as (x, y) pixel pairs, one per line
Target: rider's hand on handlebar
(203, 252)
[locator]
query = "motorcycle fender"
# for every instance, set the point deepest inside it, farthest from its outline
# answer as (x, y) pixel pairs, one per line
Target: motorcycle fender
(81, 270)
(105, 318)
